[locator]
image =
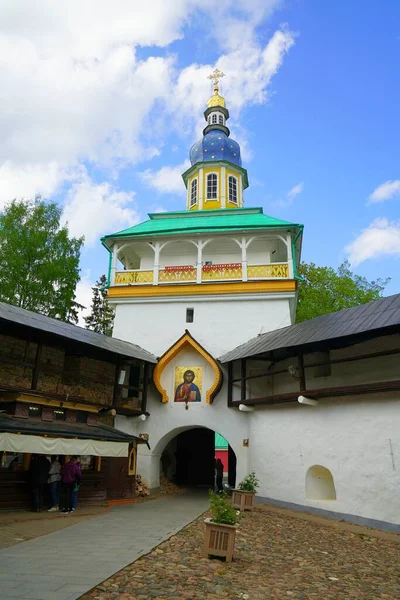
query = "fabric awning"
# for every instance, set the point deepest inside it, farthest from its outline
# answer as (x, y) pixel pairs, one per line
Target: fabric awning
(12, 442)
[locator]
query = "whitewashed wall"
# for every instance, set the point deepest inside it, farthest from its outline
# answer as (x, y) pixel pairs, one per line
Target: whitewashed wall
(349, 437)
(219, 324)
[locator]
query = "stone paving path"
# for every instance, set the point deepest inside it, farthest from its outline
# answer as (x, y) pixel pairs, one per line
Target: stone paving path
(68, 563)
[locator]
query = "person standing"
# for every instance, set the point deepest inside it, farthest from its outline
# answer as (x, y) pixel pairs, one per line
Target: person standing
(219, 474)
(54, 483)
(76, 490)
(39, 470)
(70, 475)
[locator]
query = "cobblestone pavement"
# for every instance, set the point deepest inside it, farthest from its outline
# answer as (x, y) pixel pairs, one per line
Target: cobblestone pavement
(65, 564)
(17, 527)
(278, 555)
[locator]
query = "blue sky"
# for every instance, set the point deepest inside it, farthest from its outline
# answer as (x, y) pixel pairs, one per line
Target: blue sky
(104, 100)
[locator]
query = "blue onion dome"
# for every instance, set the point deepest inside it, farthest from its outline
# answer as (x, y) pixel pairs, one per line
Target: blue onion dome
(215, 145)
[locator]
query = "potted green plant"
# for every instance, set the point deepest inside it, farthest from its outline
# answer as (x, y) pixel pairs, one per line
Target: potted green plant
(220, 527)
(243, 497)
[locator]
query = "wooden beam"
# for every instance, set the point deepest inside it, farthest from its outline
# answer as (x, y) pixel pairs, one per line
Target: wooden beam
(35, 374)
(230, 383)
(117, 368)
(302, 374)
(348, 390)
(243, 379)
(145, 386)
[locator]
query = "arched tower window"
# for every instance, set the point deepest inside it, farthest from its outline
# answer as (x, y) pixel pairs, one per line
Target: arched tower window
(193, 192)
(214, 119)
(232, 189)
(320, 484)
(212, 186)
(221, 119)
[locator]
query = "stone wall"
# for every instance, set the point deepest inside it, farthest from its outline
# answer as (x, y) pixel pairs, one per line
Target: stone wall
(59, 373)
(19, 350)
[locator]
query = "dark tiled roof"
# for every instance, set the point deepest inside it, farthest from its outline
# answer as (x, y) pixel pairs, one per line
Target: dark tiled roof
(73, 332)
(61, 429)
(376, 315)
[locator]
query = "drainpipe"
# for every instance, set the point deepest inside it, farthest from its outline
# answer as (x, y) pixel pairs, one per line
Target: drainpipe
(294, 258)
(107, 283)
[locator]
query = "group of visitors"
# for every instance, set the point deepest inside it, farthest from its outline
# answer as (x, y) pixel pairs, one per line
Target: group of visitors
(62, 481)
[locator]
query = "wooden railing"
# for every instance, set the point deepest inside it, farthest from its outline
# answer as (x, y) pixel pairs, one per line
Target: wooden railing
(208, 272)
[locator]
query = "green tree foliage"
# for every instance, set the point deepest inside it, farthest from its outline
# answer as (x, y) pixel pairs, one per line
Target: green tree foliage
(39, 262)
(325, 290)
(101, 318)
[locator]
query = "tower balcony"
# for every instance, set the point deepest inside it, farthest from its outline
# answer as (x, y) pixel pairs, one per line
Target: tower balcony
(203, 265)
(207, 273)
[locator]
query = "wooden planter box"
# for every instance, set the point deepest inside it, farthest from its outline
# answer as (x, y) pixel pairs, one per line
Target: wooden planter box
(243, 500)
(219, 540)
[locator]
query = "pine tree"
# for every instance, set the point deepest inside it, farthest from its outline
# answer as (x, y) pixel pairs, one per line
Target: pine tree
(101, 318)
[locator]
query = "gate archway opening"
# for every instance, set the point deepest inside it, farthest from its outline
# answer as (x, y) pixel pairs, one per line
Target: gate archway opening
(188, 459)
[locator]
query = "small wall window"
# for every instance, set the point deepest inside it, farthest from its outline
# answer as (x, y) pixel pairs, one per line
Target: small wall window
(189, 315)
(35, 411)
(132, 462)
(212, 186)
(232, 189)
(214, 119)
(221, 120)
(193, 192)
(59, 414)
(320, 484)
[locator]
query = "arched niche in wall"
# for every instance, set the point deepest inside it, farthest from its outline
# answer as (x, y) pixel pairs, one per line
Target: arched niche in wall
(320, 484)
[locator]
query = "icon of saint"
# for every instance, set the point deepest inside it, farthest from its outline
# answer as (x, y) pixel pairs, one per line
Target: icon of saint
(187, 391)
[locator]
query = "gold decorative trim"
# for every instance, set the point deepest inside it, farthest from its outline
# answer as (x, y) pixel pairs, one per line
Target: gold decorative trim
(187, 340)
(199, 289)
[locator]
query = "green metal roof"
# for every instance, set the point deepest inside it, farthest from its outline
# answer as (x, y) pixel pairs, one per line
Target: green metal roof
(202, 221)
(220, 442)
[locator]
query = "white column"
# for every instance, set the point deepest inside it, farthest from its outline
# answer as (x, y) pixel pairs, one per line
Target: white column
(223, 187)
(289, 255)
(201, 188)
(156, 266)
(114, 264)
(200, 244)
(244, 258)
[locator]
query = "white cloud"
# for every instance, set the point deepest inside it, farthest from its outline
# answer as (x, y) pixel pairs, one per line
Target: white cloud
(92, 209)
(167, 179)
(28, 180)
(73, 91)
(385, 191)
(83, 295)
(290, 196)
(381, 237)
(295, 191)
(250, 67)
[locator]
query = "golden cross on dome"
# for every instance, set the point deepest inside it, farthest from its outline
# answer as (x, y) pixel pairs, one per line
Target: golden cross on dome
(215, 76)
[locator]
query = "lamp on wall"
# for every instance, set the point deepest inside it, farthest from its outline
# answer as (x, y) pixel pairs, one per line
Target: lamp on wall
(309, 401)
(245, 408)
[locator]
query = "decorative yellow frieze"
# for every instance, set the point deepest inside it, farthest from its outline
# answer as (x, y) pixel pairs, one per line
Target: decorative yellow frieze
(268, 271)
(129, 277)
